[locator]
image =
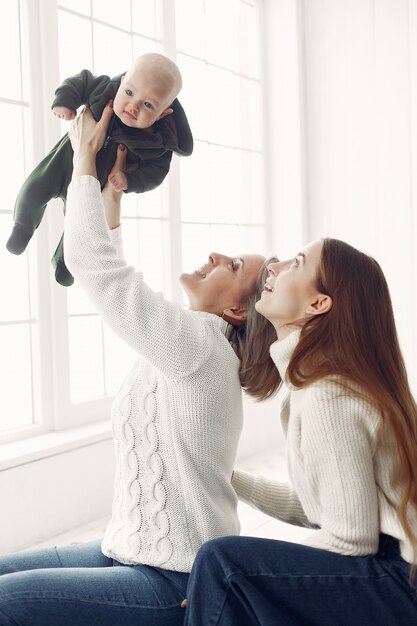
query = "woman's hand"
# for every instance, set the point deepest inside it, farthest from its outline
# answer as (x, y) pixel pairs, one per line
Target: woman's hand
(87, 137)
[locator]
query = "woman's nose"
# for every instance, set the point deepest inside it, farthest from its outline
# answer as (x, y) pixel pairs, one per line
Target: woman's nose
(214, 258)
(273, 268)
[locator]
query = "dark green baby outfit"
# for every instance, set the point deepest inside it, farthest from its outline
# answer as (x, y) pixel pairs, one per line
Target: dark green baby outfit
(149, 153)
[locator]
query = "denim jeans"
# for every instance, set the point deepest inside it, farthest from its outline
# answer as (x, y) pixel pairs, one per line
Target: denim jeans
(245, 581)
(79, 585)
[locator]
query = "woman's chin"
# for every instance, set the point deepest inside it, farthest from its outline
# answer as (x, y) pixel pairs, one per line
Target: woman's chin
(259, 306)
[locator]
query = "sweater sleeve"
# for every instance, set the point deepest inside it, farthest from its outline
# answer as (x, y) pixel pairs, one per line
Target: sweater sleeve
(115, 235)
(277, 499)
(75, 90)
(338, 439)
(174, 340)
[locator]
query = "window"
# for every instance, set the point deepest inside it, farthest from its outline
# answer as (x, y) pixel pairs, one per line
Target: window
(60, 364)
(19, 358)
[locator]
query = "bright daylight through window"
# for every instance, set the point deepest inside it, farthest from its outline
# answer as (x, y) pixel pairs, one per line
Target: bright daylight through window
(59, 364)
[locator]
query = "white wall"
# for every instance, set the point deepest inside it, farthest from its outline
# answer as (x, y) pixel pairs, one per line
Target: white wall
(54, 494)
(344, 135)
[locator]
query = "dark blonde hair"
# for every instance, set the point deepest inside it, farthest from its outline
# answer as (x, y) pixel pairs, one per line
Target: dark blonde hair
(357, 340)
(251, 341)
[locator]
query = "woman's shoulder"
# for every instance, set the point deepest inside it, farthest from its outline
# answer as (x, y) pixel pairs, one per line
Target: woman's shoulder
(215, 329)
(336, 399)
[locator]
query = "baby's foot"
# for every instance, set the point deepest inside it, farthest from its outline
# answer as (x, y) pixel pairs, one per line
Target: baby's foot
(111, 196)
(117, 177)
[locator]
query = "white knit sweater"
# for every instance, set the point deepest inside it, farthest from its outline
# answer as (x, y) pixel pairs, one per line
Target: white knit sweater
(178, 415)
(341, 477)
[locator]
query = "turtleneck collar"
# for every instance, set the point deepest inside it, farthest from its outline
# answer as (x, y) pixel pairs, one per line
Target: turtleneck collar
(281, 351)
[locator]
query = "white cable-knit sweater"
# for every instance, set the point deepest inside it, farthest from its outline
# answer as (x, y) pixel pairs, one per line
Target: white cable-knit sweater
(178, 415)
(341, 476)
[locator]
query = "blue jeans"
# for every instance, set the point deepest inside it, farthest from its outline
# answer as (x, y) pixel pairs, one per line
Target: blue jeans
(79, 585)
(244, 581)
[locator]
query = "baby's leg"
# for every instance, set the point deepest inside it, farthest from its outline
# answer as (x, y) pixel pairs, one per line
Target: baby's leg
(48, 180)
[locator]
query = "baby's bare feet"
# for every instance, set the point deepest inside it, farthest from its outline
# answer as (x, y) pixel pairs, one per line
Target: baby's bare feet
(111, 194)
(117, 177)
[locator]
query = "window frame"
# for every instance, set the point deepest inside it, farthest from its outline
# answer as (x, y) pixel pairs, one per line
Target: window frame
(52, 406)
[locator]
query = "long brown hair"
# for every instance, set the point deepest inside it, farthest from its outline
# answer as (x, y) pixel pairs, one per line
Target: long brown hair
(251, 341)
(357, 340)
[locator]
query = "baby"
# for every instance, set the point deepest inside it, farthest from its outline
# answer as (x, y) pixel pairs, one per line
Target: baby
(148, 120)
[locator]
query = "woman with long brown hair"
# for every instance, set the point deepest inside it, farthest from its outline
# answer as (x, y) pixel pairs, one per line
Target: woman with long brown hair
(350, 423)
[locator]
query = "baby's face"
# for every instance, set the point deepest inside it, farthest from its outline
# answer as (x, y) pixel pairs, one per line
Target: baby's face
(140, 100)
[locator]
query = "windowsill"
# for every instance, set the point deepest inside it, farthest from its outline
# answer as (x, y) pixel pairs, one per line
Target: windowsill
(41, 447)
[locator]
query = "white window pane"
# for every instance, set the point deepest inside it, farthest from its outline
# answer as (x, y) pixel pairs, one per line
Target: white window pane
(190, 27)
(251, 111)
(129, 205)
(112, 50)
(144, 17)
(249, 61)
(86, 358)
(14, 304)
(151, 252)
(234, 240)
(221, 21)
(195, 185)
(12, 160)
(196, 245)
(141, 45)
(150, 204)
(114, 14)
(194, 95)
(222, 185)
(224, 192)
(74, 58)
(78, 301)
(253, 198)
(223, 110)
(254, 240)
(199, 240)
(10, 41)
(15, 376)
(118, 360)
(79, 6)
(143, 249)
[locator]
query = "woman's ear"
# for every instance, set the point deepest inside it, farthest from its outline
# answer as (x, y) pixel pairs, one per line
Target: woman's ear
(236, 316)
(322, 304)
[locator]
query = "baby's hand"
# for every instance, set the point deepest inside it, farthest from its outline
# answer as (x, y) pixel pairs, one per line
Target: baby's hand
(64, 113)
(118, 181)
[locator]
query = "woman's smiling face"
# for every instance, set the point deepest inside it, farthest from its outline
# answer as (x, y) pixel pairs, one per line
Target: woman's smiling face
(290, 293)
(222, 283)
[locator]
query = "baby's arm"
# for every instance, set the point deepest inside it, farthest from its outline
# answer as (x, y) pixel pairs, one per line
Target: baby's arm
(64, 113)
(75, 91)
(147, 175)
